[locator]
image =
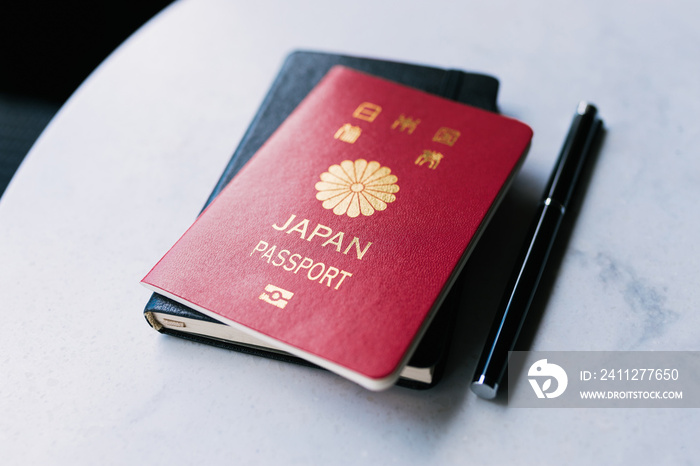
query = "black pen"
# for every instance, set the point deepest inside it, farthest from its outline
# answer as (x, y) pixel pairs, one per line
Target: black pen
(533, 258)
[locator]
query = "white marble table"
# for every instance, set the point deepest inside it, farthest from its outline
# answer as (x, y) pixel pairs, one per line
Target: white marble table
(127, 163)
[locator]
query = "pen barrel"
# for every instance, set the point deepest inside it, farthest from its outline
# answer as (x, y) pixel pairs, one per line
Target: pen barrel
(515, 305)
(533, 259)
(572, 157)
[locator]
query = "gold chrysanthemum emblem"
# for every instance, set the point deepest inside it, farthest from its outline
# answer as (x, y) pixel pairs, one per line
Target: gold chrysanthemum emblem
(355, 188)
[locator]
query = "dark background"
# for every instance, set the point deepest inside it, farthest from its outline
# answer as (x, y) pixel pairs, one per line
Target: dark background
(47, 48)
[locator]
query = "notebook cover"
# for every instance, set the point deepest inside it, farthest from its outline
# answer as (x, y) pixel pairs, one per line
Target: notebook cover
(374, 192)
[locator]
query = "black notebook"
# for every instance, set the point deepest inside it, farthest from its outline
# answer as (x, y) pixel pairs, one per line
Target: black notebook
(301, 71)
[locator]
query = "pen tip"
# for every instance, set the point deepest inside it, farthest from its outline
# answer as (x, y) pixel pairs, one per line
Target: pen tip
(585, 107)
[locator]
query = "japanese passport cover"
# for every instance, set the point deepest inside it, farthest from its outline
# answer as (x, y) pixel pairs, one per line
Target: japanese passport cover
(340, 238)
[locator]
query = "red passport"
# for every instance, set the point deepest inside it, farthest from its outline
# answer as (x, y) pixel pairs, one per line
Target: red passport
(340, 238)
